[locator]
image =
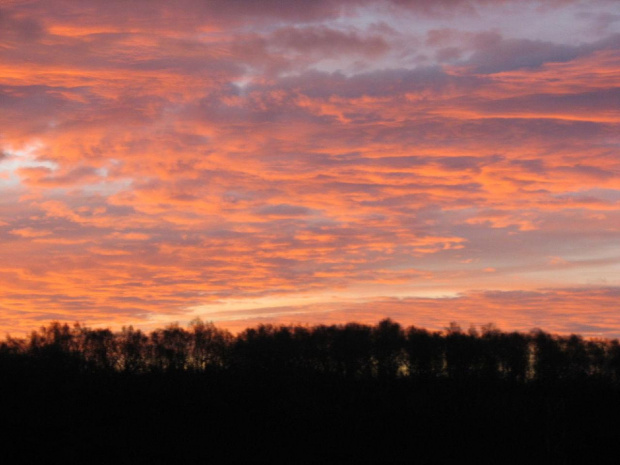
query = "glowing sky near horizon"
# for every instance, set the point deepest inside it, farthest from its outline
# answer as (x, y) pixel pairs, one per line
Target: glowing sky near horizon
(249, 161)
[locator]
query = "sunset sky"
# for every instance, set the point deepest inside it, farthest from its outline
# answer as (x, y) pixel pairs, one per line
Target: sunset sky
(268, 161)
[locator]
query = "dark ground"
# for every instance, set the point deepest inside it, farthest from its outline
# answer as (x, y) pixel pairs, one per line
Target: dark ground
(213, 418)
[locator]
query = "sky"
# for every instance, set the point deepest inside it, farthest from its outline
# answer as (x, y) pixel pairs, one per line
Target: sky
(296, 162)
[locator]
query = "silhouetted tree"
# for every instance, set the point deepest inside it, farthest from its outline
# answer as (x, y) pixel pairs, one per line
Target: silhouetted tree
(170, 348)
(597, 355)
(425, 353)
(461, 353)
(576, 356)
(388, 341)
(550, 362)
(514, 353)
(56, 347)
(351, 350)
(98, 347)
(132, 345)
(613, 364)
(209, 347)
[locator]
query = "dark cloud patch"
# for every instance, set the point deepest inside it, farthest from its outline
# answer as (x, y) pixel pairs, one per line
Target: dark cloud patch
(531, 165)
(295, 10)
(441, 37)
(382, 83)
(398, 202)
(31, 95)
(589, 171)
(600, 21)
(17, 29)
(579, 199)
(328, 42)
(43, 176)
(285, 210)
(395, 162)
(449, 54)
(504, 131)
(514, 296)
(505, 55)
(586, 104)
(494, 54)
(467, 162)
(35, 106)
(456, 163)
(189, 14)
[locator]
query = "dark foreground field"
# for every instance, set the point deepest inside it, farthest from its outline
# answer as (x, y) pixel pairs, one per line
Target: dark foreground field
(56, 408)
(200, 419)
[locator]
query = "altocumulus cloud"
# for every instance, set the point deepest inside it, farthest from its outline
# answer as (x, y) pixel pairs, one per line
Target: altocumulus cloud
(394, 158)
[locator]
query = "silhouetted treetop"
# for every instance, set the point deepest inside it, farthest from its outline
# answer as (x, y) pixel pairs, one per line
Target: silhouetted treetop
(353, 351)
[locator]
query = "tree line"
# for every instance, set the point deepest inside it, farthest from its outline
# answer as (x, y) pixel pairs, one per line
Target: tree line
(308, 394)
(386, 350)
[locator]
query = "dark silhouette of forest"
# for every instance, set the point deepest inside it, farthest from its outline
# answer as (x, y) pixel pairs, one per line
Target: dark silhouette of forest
(304, 394)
